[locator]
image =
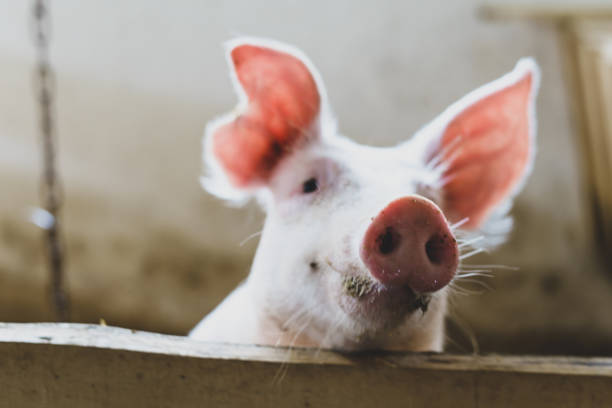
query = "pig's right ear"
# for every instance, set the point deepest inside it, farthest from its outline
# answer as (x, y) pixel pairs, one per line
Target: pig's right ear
(279, 111)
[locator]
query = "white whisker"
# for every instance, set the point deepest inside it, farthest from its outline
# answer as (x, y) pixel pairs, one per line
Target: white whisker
(440, 159)
(284, 367)
(476, 282)
(297, 314)
(467, 331)
(470, 242)
(247, 239)
(463, 271)
(455, 289)
(471, 253)
(459, 223)
(502, 267)
(473, 274)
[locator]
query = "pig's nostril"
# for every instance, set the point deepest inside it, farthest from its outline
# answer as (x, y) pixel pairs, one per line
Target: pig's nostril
(388, 241)
(437, 248)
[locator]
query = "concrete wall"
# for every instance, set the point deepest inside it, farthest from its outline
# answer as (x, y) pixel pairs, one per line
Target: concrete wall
(136, 85)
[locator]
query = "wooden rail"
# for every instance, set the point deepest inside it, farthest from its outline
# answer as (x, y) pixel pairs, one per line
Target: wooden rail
(59, 365)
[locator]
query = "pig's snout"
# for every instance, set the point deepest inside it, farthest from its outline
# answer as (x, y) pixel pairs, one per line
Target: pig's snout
(409, 243)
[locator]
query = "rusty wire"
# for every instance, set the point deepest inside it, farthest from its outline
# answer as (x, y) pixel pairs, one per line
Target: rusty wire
(50, 189)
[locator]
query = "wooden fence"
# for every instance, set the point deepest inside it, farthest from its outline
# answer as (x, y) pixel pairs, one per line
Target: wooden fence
(61, 365)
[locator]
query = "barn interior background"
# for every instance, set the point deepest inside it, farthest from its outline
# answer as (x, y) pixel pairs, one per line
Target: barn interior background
(148, 249)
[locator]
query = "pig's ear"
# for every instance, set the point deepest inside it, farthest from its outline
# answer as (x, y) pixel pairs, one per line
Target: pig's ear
(482, 147)
(279, 109)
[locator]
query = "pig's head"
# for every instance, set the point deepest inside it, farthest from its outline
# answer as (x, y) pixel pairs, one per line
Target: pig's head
(360, 243)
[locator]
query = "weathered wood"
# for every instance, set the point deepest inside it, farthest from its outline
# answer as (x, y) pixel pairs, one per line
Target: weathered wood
(570, 49)
(56, 365)
(585, 44)
(543, 11)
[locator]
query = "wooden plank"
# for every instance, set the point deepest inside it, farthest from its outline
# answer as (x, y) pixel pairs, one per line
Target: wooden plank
(603, 79)
(591, 39)
(550, 12)
(570, 44)
(588, 66)
(57, 365)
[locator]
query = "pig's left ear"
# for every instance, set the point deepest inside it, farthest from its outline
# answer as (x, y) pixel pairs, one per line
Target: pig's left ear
(280, 102)
(482, 147)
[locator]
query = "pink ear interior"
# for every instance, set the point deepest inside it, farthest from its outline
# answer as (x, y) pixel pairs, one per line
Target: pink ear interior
(283, 103)
(486, 149)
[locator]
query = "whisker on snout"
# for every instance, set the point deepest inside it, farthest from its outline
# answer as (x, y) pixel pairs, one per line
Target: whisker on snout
(463, 327)
(284, 367)
(459, 223)
(477, 282)
(470, 242)
(471, 274)
(456, 289)
(440, 161)
(463, 270)
(491, 266)
(247, 239)
(471, 253)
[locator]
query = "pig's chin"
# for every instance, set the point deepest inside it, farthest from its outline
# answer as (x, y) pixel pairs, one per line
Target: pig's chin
(377, 311)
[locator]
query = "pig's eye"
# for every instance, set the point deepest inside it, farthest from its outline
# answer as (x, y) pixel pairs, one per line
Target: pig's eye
(310, 186)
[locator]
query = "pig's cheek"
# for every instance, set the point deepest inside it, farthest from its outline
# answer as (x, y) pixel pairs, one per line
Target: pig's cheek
(294, 209)
(289, 211)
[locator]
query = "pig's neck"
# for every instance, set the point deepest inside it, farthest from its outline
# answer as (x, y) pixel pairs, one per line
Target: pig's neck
(237, 320)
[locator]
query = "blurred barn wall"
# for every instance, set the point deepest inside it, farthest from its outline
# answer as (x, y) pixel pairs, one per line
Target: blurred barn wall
(136, 85)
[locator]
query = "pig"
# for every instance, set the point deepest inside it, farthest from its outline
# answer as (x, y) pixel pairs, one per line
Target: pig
(360, 243)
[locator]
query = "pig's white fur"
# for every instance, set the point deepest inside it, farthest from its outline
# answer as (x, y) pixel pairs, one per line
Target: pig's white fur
(283, 302)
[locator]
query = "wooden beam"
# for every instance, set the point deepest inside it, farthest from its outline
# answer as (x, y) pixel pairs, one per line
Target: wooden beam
(552, 12)
(56, 365)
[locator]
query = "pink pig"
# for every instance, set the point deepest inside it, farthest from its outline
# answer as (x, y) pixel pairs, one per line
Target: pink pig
(360, 243)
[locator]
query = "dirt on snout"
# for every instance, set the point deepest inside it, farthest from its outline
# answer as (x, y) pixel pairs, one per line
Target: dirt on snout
(356, 286)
